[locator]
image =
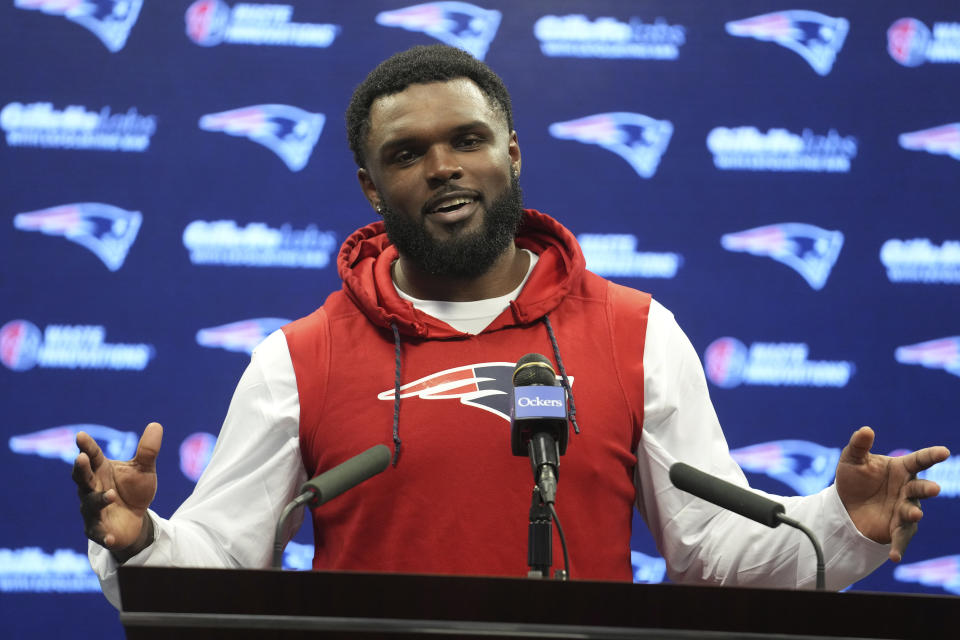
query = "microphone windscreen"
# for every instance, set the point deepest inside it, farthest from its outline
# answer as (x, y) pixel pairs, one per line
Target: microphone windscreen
(534, 369)
(726, 495)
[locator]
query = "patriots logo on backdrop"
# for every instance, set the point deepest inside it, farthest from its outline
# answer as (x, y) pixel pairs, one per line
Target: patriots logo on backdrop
(458, 24)
(943, 140)
(61, 442)
(104, 229)
(290, 132)
(486, 385)
(20, 342)
(805, 248)
(943, 353)
(109, 20)
(806, 467)
(815, 37)
(638, 139)
(938, 572)
(240, 336)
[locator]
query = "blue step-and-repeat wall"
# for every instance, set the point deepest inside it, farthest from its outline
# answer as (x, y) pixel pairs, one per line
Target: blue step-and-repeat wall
(175, 183)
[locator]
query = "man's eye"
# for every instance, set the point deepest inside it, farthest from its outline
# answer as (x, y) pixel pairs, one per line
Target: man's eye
(402, 157)
(470, 141)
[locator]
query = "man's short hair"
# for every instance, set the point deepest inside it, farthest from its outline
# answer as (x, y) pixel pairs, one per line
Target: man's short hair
(420, 65)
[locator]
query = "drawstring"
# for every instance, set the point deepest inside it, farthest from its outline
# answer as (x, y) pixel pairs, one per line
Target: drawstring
(572, 409)
(396, 394)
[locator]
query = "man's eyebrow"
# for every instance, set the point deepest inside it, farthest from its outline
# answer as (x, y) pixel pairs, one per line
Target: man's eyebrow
(404, 140)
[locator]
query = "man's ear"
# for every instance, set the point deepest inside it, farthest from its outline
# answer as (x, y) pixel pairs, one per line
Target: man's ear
(513, 150)
(370, 191)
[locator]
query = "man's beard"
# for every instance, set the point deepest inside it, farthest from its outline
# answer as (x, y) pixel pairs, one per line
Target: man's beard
(465, 255)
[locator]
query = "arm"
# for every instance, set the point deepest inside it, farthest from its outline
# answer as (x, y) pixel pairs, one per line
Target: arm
(228, 520)
(700, 542)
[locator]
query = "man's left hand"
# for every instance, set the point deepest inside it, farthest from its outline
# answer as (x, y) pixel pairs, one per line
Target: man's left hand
(882, 494)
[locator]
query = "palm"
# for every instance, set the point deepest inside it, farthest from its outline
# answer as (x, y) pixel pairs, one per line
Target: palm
(135, 487)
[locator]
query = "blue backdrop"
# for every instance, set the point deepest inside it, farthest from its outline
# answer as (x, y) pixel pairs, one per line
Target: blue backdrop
(176, 182)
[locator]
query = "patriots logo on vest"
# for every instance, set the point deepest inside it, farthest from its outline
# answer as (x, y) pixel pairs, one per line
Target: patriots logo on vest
(458, 24)
(806, 467)
(933, 354)
(485, 385)
(109, 20)
(805, 248)
(941, 572)
(290, 132)
(638, 139)
(813, 36)
(104, 229)
(940, 140)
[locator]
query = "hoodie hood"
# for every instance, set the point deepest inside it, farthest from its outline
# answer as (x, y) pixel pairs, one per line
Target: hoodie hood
(365, 260)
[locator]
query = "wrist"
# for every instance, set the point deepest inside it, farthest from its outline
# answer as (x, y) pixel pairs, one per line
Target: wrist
(144, 540)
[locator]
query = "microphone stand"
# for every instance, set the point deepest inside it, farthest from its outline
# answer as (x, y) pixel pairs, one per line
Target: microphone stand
(539, 538)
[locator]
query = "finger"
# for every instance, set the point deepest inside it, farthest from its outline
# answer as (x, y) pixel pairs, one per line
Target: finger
(858, 449)
(925, 458)
(83, 475)
(149, 447)
(921, 489)
(90, 447)
(901, 538)
(92, 503)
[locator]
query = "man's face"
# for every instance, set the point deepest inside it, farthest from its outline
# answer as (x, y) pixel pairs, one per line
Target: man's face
(441, 167)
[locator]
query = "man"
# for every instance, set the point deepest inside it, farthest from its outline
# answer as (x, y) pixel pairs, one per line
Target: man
(445, 294)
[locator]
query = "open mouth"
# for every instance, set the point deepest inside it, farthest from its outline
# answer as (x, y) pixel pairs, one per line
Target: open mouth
(449, 205)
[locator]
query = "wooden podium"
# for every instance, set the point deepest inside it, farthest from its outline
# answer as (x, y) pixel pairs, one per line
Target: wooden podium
(217, 603)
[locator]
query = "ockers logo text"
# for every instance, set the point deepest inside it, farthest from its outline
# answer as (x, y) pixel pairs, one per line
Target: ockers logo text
(538, 402)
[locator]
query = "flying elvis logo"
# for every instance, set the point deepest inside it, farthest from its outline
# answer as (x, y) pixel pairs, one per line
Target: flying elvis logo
(458, 24)
(815, 37)
(806, 467)
(104, 229)
(941, 572)
(638, 139)
(61, 442)
(242, 336)
(485, 385)
(942, 140)
(109, 20)
(943, 353)
(805, 248)
(290, 132)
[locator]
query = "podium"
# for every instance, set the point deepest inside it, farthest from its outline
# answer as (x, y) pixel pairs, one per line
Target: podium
(224, 603)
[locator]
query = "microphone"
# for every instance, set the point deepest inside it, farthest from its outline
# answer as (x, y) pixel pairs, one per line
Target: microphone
(538, 420)
(739, 500)
(328, 485)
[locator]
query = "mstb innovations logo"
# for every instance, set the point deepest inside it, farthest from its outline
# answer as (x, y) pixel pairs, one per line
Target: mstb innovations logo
(748, 149)
(223, 242)
(729, 363)
(23, 347)
(805, 248)
(211, 22)
(911, 43)
(615, 254)
(290, 132)
(39, 125)
(575, 36)
(458, 24)
(104, 229)
(638, 139)
(815, 37)
(109, 20)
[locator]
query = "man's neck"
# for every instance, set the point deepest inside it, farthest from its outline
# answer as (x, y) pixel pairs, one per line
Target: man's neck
(503, 277)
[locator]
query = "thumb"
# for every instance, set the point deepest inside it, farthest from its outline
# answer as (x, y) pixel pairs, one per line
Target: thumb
(149, 447)
(858, 449)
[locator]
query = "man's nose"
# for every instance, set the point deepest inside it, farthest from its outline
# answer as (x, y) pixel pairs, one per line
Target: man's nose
(442, 165)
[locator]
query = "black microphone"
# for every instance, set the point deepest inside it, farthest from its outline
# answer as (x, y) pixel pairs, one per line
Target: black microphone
(328, 485)
(739, 500)
(538, 420)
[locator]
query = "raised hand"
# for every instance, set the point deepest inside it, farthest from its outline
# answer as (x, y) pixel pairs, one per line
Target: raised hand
(882, 494)
(114, 494)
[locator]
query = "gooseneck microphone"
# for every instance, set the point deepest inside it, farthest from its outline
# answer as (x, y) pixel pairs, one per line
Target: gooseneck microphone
(328, 485)
(538, 420)
(739, 500)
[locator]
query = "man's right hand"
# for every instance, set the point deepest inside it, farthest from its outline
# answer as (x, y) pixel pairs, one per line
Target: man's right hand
(114, 495)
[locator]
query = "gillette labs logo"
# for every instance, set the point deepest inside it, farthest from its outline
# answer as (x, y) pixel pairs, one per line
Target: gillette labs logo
(212, 22)
(39, 125)
(943, 353)
(747, 149)
(941, 572)
(919, 260)
(806, 467)
(242, 336)
(31, 570)
(458, 24)
(575, 36)
(638, 139)
(911, 43)
(109, 20)
(813, 36)
(729, 363)
(60, 443)
(223, 242)
(805, 248)
(104, 229)
(943, 140)
(615, 254)
(290, 132)
(60, 346)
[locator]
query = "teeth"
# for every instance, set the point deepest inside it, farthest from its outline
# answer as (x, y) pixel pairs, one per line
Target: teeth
(453, 202)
